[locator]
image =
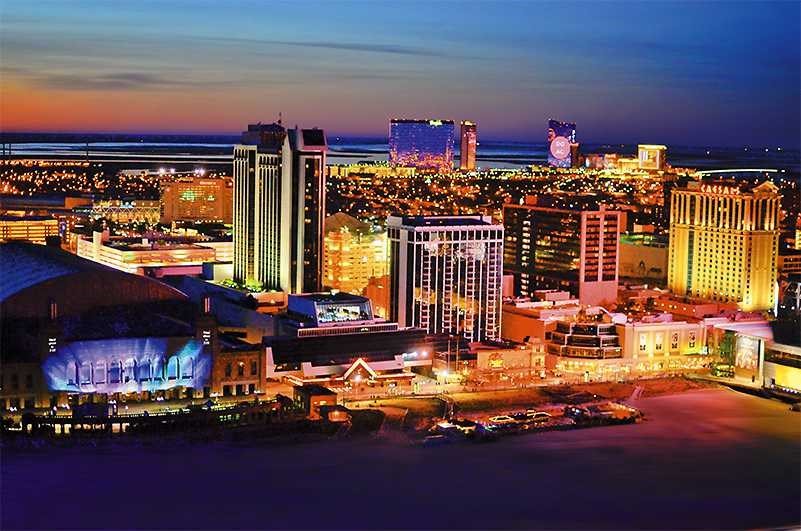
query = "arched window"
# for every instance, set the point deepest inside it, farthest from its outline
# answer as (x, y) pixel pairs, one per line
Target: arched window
(187, 368)
(85, 373)
(172, 368)
(143, 370)
(115, 372)
(158, 369)
(129, 374)
(72, 373)
(100, 372)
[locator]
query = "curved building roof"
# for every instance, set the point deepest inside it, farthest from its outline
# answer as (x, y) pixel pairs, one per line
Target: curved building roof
(33, 275)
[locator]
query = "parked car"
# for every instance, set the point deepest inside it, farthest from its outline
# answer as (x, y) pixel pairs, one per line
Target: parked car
(538, 416)
(795, 407)
(577, 413)
(436, 440)
(502, 419)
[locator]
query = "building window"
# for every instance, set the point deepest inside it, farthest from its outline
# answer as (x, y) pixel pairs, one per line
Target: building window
(72, 373)
(674, 341)
(643, 342)
(85, 374)
(114, 372)
(187, 368)
(144, 371)
(228, 370)
(100, 372)
(240, 370)
(254, 368)
(658, 342)
(130, 371)
(15, 382)
(691, 340)
(172, 368)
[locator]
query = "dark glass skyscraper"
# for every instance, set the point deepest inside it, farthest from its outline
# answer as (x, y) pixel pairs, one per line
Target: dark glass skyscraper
(565, 249)
(423, 144)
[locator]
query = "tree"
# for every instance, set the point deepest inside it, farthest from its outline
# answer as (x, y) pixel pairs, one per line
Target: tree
(726, 348)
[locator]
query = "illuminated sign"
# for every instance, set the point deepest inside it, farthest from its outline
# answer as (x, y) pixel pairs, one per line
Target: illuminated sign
(719, 189)
(127, 365)
(561, 137)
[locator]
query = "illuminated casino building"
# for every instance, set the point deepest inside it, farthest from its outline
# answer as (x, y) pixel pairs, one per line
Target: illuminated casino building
(652, 157)
(467, 147)
(34, 229)
(553, 248)
(724, 243)
(446, 274)
(197, 199)
(124, 211)
(279, 208)
(156, 258)
(73, 328)
(354, 253)
(560, 140)
(423, 144)
(334, 340)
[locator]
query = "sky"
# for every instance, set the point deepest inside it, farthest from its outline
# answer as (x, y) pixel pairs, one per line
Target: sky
(688, 73)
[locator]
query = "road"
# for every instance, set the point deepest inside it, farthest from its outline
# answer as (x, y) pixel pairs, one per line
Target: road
(703, 459)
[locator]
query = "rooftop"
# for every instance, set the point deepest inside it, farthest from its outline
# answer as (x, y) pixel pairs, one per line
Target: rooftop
(23, 265)
(340, 220)
(446, 221)
(419, 121)
(331, 297)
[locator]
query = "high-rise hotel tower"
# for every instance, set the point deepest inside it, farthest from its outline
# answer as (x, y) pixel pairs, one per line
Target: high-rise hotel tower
(279, 208)
(446, 274)
(571, 249)
(724, 243)
(467, 147)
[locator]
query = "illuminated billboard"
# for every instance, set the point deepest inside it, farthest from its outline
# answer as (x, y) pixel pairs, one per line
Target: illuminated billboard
(560, 141)
(126, 365)
(422, 144)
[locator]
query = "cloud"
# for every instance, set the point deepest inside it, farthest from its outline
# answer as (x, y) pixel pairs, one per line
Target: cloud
(393, 49)
(112, 81)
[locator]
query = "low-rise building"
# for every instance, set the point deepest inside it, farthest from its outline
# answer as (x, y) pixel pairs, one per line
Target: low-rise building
(334, 340)
(238, 367)
(782, 368)
(157, 258)
(73, 330)
(33, 229)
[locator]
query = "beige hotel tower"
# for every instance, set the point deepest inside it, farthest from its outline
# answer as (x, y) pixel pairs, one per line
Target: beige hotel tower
(724, 243)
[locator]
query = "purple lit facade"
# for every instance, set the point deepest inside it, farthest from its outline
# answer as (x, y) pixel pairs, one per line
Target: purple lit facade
(561, 139)
(423, 144)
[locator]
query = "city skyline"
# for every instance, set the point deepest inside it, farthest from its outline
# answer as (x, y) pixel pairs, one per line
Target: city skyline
(642, 72)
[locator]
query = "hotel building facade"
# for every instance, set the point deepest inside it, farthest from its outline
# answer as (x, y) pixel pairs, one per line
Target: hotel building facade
(422, 144)
(724, 243)
(467, 147)
(197, 199)
(446, 274)
(573, 250)
(354, 253)
(279, 208)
